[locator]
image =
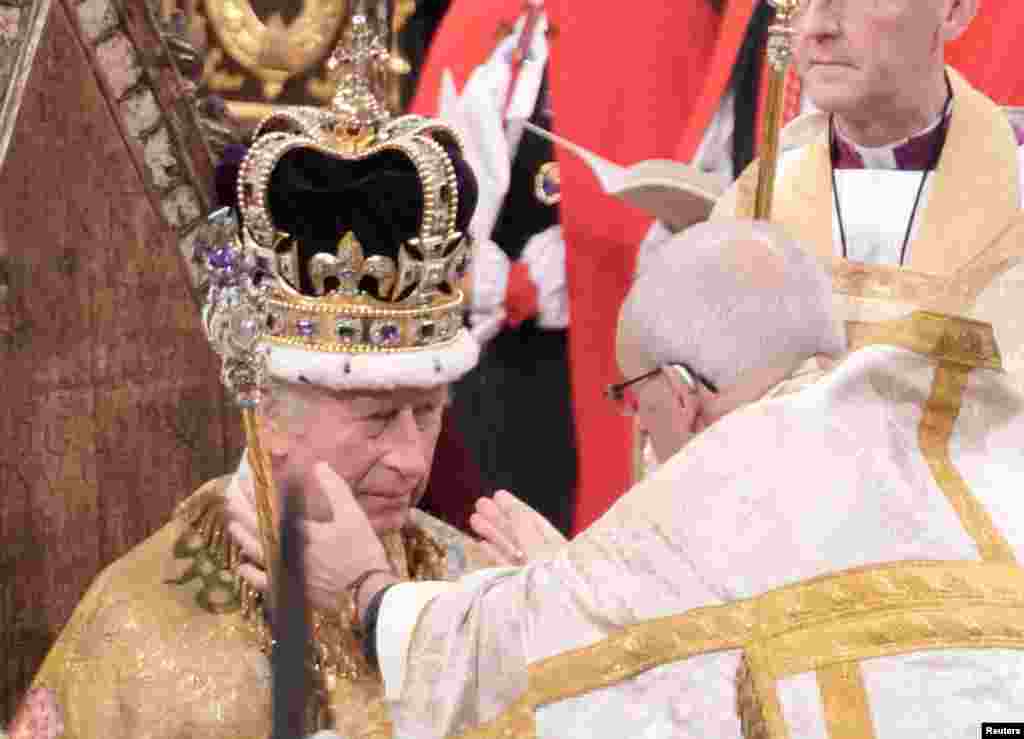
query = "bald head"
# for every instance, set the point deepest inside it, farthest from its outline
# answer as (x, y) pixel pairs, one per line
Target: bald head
(727, 297)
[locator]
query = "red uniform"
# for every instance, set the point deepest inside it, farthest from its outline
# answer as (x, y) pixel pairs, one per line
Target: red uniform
(624, 79)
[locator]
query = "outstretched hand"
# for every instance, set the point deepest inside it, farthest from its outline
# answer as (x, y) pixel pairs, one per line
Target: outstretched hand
(511, 531)
(337, 551)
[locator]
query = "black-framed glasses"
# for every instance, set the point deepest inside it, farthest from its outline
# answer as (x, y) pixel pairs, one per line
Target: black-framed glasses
(619, 392)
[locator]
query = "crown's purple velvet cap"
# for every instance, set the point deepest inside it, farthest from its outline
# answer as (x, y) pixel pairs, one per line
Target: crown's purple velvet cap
(225, 176)
(319, 198)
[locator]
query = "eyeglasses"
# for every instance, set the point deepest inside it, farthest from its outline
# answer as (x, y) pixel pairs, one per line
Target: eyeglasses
(620, 394)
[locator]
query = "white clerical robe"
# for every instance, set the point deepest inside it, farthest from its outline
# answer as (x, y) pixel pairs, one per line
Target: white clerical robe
(909, 450)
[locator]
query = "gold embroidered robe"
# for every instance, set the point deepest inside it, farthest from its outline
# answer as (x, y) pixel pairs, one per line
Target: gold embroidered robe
(160, 646)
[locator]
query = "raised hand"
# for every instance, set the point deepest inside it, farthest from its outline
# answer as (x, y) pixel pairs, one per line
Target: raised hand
(511, 531)
(338, 548)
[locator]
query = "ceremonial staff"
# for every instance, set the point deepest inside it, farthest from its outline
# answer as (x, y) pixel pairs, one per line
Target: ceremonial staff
(239, 277)
(235, 320)
(534, 10)
(779, 54)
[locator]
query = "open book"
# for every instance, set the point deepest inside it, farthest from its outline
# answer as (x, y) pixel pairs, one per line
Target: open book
(676, 194)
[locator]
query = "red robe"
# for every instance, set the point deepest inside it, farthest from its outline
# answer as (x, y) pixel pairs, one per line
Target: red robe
(735, 19)
(623, 82)
(987, 54)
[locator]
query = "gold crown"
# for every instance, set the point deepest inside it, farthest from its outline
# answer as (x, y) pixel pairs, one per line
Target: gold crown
(351, 301)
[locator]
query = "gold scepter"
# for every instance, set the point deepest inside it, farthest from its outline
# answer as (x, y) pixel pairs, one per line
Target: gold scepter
(779, 54)
(235, 320)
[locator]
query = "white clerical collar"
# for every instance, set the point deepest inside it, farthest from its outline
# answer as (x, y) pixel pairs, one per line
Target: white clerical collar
(885, 157)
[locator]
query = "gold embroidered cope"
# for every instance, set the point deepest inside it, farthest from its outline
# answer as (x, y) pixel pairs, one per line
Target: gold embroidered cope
(830, 624)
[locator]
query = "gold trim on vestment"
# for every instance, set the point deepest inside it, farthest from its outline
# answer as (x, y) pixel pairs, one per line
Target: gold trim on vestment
(847, 712)
(970, 227)
(934, 435)
(947, 339)
(765, 689)
(959, 345)
(980, 149)
(856, 614)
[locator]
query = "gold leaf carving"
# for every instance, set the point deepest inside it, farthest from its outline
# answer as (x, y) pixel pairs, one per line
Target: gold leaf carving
(274, 51)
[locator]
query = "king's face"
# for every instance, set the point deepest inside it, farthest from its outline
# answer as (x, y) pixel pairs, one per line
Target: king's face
(382, 444)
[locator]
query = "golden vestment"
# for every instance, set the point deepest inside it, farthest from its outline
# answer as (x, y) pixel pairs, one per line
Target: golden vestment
(970, 231)
(167, 644)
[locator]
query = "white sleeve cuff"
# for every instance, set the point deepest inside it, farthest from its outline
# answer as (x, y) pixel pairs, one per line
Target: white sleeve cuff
(489, 277)
(544, 255)
(399, 613)
(396, 621)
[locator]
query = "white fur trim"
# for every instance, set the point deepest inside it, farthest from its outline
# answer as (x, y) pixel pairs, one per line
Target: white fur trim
(381, 371)
(544, 255)
(489, 275)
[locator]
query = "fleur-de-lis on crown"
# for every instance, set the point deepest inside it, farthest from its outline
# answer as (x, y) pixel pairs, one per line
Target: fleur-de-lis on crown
(418, 273)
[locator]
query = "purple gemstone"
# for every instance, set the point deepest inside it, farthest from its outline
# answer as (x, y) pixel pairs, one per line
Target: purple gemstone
(305, 327)
(389, 333)
(222, 258)
(551, 186)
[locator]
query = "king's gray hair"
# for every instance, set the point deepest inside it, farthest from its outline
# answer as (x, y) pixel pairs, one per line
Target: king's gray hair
(284, 401)
(728, 297)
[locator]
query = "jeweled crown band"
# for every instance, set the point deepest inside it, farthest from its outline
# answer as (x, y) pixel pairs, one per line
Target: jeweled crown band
(364, 335)
(358, 329)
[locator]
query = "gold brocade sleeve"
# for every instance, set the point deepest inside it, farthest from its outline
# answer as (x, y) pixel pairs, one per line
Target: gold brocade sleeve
(80, 681)
(162, 644)
(141, 657)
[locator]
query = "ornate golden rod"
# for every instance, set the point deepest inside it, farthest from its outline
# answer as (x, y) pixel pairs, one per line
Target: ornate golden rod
(263, 482)
(235, 319)
(779, 53)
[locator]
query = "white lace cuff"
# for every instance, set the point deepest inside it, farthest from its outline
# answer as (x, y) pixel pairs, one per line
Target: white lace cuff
(489, 277)
(544, 257)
